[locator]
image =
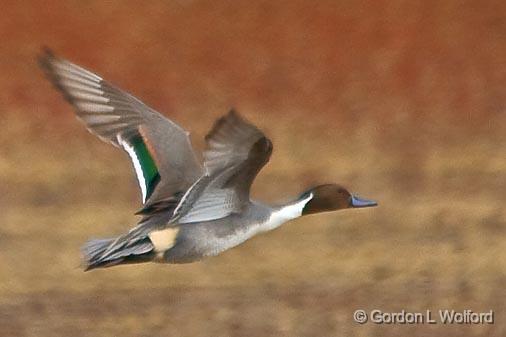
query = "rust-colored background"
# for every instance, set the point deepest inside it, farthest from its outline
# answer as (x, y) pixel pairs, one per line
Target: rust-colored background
(400, 101)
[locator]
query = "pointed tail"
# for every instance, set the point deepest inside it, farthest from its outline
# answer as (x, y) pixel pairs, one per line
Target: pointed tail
(93, 250)
(101, 253)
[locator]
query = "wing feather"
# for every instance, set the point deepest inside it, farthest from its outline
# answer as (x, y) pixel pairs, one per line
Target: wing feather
(121, 119)
(236, 152)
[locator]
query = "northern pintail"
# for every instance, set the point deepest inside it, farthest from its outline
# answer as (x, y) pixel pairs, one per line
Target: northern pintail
(189, 211)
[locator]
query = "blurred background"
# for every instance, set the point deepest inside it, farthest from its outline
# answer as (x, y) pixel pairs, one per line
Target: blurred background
(400, 101)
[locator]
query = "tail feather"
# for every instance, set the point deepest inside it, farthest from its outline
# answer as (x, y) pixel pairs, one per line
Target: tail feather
(97, 253)
(93, 249)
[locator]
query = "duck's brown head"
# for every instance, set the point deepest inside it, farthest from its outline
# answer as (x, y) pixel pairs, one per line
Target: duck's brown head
(332, 197)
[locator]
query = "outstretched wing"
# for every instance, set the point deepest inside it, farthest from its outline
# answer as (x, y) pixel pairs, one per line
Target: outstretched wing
(236, 152)
(160, 150)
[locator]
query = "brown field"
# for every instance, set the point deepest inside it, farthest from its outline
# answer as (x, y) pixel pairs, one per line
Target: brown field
(401, 101)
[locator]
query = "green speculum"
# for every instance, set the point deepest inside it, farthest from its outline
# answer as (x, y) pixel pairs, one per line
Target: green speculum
(148, 165)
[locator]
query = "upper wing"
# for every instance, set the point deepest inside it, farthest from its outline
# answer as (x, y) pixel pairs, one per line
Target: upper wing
(160, 150)
(236, 151)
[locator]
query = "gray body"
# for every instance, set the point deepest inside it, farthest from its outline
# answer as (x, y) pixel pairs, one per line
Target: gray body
(188, 242)
(198, 240)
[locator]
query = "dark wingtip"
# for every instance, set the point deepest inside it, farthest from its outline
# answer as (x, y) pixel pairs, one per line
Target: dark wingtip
(233, 112)
(44, 57)
(231, 117)
(47, 51)
(46, 60)
(218, 125)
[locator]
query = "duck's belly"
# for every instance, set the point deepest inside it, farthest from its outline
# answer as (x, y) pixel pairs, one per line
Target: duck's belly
(196, 241)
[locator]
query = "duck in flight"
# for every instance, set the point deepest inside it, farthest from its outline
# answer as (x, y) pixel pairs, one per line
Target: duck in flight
(190, 210)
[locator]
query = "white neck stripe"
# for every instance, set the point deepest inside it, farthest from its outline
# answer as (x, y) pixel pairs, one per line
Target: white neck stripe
(286, 213)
